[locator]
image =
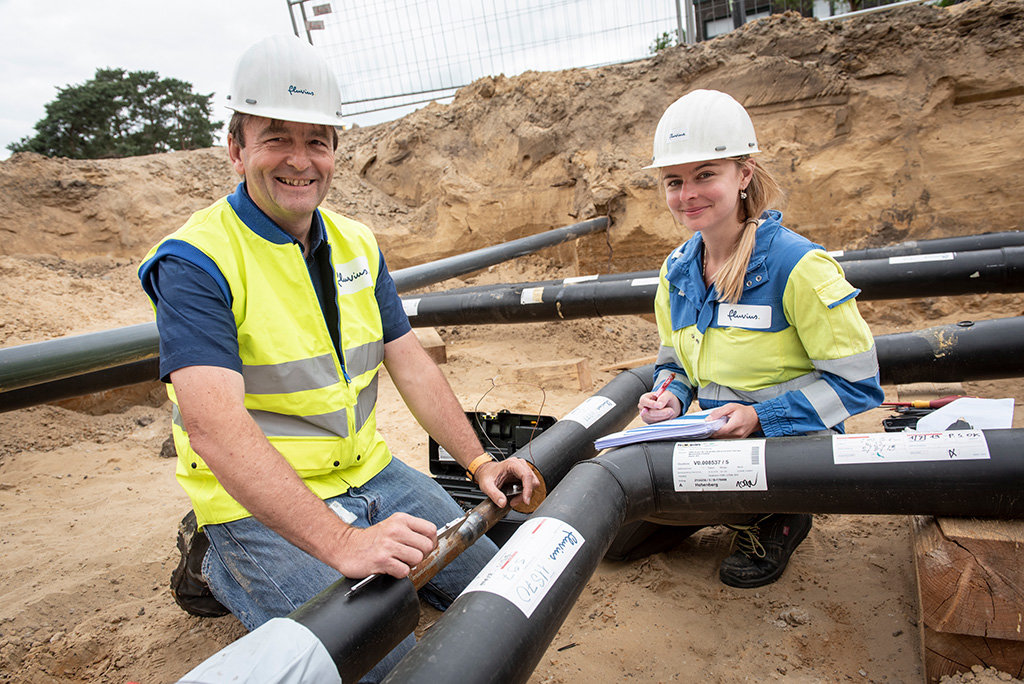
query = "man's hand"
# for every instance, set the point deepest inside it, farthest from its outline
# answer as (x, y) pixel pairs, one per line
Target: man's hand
(743, 421)
(654, 409)
(391, 547)
(492, 476)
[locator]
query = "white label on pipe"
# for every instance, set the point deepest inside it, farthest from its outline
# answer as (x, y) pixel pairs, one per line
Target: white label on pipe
(532, 295)
(902, 447)
(588, 413)
(719, 466)
(836, 253)
(411, 306)
(918, 258)
(529, 564)
(579, 279)
(640, 282)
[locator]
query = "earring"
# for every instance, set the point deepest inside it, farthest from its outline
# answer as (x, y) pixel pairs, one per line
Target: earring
(743, 195)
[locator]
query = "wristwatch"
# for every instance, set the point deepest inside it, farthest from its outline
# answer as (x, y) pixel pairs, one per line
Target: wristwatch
(475, 464)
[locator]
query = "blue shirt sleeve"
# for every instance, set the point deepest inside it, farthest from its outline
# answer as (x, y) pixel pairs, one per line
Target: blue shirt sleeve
(392, 314)
(196, 325)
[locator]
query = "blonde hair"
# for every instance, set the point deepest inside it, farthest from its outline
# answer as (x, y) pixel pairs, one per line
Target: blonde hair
(763, 193)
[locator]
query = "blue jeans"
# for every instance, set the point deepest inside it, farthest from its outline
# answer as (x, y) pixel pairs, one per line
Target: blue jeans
(278, 577)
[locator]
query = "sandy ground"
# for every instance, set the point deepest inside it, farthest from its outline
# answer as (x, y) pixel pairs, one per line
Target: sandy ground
(88, 510)
(881, 129)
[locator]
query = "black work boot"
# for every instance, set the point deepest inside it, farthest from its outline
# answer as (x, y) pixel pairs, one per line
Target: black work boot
(763, 548)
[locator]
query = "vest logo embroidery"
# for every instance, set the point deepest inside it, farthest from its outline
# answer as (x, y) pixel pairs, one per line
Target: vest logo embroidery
(752, 316)
(354, 276)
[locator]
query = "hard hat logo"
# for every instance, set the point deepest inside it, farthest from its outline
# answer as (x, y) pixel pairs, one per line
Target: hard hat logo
(265, 80)
(701, 126)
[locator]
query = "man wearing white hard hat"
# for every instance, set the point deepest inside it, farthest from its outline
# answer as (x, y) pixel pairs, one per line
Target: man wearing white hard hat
(275, 317)
(757, 323)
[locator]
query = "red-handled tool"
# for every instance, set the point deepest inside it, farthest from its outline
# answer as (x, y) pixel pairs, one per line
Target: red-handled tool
(927, 403)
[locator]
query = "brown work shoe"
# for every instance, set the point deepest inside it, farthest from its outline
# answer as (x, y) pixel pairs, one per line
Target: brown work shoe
(763, 548)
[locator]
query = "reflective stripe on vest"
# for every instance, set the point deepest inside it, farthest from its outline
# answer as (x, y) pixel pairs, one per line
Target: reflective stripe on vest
(321, 422)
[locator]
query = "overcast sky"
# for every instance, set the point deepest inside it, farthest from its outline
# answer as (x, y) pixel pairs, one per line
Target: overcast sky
(54, 43)
(50, 44)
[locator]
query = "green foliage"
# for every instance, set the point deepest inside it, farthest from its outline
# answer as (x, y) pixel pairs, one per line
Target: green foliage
(662, 42)
(122, 114)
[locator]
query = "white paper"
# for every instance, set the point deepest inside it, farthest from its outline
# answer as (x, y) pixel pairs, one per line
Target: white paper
(529, 564)
(690, 426)
(902, 447)
(980, 414)
(730, 465)
(588, 413)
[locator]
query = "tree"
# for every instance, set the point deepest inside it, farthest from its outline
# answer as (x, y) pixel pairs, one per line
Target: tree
(665, 40)
(122, 114)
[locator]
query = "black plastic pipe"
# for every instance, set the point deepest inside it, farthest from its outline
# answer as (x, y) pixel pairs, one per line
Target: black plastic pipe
(434, 272)
(927, 275)
(969, 350)
(52, 361)
(941, 249)
(486, 637)
(359, 630)
(960, 243)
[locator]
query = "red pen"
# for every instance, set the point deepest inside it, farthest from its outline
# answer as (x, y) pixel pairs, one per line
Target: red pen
(661, 389)
(664, 385)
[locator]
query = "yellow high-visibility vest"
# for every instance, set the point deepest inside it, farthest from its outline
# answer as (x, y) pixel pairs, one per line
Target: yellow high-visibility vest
(317, 410)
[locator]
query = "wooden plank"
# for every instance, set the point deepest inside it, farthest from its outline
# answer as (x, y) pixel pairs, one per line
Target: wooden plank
(970, 577)
(564, 373)
(433, 344)
(629, 363)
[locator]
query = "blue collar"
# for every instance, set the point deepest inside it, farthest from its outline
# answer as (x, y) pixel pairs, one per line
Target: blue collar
(261, 224)
(684, 263)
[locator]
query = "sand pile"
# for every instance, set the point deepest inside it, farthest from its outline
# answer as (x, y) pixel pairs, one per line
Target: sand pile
(893, 126)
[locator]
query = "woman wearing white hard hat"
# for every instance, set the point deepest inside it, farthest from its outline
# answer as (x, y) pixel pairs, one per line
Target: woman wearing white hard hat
(756, 322)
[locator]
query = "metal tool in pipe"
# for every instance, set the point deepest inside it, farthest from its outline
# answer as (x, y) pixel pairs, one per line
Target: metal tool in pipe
(501, 626)
(355, 629)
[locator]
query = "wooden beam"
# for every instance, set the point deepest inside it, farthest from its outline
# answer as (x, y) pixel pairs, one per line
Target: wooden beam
(433, 344)
(970, 576)
(564, 374)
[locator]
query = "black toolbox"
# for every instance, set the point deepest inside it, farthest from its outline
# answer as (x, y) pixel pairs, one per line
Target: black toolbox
(502, 434)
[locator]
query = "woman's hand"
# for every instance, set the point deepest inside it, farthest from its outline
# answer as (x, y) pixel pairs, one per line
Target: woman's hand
(742, 422)
(654, 409)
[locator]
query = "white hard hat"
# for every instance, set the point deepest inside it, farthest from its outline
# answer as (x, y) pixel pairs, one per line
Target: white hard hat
(702, 125)
(285, 78)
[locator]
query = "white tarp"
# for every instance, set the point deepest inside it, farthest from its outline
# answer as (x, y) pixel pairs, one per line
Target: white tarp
(280, 651)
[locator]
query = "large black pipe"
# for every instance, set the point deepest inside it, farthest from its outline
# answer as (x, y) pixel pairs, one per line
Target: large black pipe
(434, 272)
(961, 243)
(941, 249)
(52, 361)
(86, 358)
(638, 481)
(969, 350)
(359, 630)
(927, 275)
